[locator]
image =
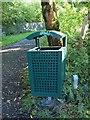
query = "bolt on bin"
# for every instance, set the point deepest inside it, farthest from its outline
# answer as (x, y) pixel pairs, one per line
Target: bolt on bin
(46, 65)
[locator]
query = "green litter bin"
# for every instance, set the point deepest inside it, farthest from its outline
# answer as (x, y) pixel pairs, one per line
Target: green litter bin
(47, 66)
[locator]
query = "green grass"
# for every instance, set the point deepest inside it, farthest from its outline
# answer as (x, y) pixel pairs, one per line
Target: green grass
(6, 40)
(43, 41)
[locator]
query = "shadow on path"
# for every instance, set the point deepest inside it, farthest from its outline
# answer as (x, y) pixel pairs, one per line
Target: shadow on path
(14, 59)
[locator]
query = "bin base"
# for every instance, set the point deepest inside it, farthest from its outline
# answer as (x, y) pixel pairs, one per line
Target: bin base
(46, 103)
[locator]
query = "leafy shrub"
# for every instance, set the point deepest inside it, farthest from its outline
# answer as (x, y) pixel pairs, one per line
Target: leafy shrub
(77, 63)
(17, 12)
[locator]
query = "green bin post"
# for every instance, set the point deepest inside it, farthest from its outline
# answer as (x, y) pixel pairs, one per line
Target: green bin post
(46, 66)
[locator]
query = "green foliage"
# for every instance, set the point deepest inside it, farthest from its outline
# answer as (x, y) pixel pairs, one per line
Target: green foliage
(43, 41)
(25, 74)
(44, 114)
(71, 19)
(28, 103)
(16, 12)
(76, 105)
(78, 62)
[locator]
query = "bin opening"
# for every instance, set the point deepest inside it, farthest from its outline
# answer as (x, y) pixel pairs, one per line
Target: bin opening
(49, 48)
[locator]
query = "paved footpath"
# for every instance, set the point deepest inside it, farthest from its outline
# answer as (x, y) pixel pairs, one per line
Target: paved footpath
(14, 59)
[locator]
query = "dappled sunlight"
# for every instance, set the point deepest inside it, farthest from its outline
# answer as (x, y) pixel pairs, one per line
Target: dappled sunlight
(29, 1)
(31, 75)
(9, 50)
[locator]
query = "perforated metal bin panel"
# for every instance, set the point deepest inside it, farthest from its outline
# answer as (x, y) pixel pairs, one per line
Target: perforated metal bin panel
(46, 71)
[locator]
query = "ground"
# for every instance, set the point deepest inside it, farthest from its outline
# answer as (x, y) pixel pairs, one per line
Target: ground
(14, 59)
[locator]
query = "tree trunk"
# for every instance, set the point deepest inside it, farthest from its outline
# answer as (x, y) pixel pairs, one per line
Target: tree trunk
(83, 33)
(50, 17)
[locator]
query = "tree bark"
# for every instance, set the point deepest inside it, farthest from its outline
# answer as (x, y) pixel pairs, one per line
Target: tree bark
(49, 13)
(83, 33)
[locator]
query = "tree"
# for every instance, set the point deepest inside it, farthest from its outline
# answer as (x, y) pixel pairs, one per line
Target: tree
(17, 13)
(83, 32)
(49, 13)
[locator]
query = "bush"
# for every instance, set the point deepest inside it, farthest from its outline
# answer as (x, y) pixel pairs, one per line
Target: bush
(16, 13)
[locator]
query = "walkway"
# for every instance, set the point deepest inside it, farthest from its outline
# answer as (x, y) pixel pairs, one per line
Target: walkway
(14, 59)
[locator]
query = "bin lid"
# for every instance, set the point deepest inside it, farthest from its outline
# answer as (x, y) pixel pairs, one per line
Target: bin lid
(52, 33)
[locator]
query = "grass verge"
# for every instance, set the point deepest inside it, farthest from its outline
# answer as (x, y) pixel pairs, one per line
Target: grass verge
(6, 40)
